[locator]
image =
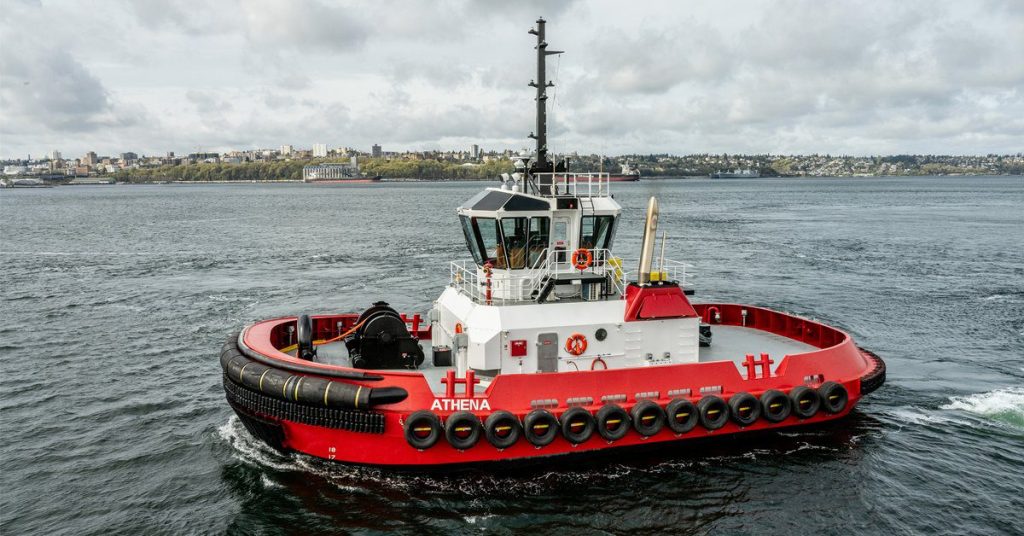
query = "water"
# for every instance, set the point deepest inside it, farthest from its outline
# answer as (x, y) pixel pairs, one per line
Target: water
(116, 300)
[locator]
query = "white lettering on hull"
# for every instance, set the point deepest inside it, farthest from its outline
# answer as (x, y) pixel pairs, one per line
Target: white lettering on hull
(460, 404)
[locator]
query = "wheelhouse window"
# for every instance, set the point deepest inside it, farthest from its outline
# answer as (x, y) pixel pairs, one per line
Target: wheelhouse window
(515, 231)
(526, 240)
(490, 241)
(540, 237)
(471, 239)
(509, 243)
(596, 232)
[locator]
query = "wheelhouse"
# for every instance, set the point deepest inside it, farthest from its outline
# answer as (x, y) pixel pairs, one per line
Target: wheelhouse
(517, 239)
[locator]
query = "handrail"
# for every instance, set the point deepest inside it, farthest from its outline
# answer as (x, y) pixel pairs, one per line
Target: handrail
(523, 284)
(571, 184)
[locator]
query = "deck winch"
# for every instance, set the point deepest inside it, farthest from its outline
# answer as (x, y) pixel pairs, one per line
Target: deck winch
(383, 341)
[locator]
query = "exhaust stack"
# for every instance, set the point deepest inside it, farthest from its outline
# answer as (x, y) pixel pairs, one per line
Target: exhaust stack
(647, 250)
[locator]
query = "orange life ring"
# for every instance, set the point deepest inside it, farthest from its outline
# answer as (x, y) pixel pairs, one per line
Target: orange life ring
(576, 344)
(582, 258)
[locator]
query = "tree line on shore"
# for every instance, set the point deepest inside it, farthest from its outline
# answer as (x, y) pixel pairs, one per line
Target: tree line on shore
(292, 170)
(649, 165)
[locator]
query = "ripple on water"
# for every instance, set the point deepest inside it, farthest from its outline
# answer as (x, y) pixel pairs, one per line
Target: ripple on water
(117, 300)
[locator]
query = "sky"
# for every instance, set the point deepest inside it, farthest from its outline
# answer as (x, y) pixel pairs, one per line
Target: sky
(860, 77)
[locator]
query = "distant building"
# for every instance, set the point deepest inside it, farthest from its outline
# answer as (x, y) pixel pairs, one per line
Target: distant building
(376, 151)
(170, 154)
(90, 159)
(319, 150)
(55, 155)
(476, 152)
(286, 150)
(129, 157)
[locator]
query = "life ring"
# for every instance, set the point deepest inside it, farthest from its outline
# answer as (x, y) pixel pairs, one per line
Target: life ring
(744, 408)
(577, 425)
(462, 430)
(576, 344)
(502, 429)
(582, 259)
(422, 429)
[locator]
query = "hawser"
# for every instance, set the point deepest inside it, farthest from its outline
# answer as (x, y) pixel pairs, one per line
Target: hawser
(542, 345)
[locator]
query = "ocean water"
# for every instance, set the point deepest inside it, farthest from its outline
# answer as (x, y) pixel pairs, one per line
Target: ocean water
(115, 301)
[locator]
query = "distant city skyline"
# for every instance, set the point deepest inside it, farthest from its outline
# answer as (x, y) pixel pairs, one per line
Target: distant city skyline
(751, 77)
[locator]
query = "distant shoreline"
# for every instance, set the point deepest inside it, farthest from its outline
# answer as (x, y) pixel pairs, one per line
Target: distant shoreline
(99, 181)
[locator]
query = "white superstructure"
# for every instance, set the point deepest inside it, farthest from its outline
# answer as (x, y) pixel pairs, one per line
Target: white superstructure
(512, 308)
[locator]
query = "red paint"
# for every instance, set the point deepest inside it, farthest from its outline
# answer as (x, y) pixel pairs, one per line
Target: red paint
(837, 359)
(656, 302)
(470, 382)
(517, 348)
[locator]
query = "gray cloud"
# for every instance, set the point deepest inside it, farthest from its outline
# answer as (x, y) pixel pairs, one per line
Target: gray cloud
(789, 76)
(46, 91)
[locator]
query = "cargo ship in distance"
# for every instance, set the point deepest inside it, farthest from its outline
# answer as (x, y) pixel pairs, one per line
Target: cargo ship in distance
(628, 174)
(737, 174)
(336, 173)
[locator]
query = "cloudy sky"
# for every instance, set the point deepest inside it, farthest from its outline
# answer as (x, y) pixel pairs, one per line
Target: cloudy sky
(787, 76)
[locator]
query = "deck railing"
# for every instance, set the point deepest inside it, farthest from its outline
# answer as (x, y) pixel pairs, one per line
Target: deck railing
(571, 184)
(524, 284)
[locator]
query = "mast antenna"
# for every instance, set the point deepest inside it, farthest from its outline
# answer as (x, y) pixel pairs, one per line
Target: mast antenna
(541, 163)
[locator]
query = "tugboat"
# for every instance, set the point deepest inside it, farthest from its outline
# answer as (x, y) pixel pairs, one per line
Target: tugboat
(543, 345)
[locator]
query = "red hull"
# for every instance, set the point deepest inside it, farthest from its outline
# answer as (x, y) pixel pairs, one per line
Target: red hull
(837, 360)
(623, 178)
(346, 181)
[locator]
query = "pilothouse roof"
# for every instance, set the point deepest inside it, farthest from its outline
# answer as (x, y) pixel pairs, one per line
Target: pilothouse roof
(502, 200)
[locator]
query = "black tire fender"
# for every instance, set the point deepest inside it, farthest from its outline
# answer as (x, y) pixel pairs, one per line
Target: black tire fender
(833, 397)
(648, 417)
(713, 412)
(462, 430)
(612, 422)
(502, 429)
(775, 405)
(744, 409)
(577, 425)
(806, 401)
(681, 415)
(540, 427)
(422, 429)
